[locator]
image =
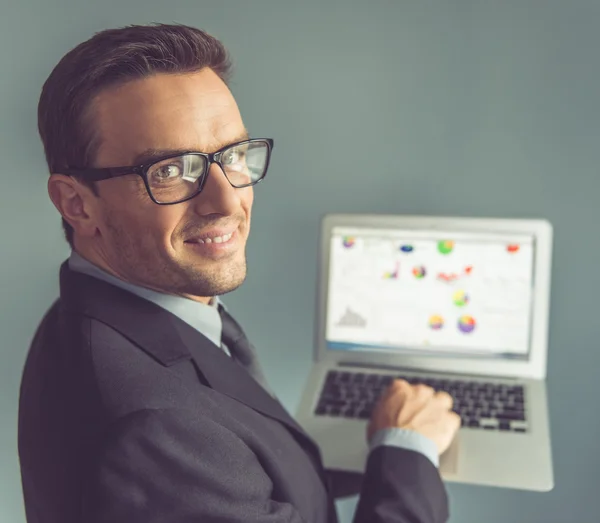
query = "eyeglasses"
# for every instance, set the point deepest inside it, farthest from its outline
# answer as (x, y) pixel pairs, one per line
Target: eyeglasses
(179, 177)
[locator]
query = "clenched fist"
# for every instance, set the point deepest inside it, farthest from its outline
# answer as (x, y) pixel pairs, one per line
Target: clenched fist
(418, 408)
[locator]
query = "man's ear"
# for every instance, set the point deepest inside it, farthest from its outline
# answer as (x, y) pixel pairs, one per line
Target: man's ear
(74, 201)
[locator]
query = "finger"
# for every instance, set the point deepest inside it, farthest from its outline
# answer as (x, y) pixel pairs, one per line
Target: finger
(388, 405)
(455, 420)
(444, 400)
(397, 392)
(423, 392)
(394, 394)
(399, 385)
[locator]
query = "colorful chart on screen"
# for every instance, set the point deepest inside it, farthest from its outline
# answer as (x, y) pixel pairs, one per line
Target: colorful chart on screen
(466, 324)
(445, 246)
(429, 291)
(348, 241)
(460, 298)
(419, 272)
(436, 322)
(392, 275)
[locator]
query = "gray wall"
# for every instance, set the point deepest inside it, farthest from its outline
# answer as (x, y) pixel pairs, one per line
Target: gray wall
(481, 108)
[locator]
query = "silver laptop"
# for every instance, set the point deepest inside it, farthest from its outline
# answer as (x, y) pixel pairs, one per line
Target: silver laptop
(458, 303)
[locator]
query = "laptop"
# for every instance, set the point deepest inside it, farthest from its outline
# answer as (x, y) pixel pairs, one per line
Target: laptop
(460, 304)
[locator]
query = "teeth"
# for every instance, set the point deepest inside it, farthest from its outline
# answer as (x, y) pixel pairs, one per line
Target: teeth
(217, 239)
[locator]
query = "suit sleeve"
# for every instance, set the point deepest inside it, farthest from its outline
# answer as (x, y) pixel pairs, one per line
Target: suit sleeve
(401, 486)
(158, 466)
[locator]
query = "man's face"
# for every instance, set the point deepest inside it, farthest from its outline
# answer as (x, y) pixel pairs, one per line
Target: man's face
(156, 245)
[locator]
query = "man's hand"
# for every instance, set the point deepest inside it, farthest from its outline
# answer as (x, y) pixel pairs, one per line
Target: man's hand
(417, 408)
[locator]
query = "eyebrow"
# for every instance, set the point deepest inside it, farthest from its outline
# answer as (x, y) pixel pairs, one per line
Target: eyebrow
(151, 154)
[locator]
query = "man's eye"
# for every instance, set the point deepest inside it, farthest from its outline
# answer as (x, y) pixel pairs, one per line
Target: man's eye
(165, 172)
(232, 157)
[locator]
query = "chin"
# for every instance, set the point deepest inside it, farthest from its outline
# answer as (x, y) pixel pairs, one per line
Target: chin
(217, 282)
(225, 289)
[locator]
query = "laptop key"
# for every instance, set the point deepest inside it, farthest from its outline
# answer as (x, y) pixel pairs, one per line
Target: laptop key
(510, 415)
(331, 395)
(354, 406)
(334, 402)
(321, 410)
(364, 414)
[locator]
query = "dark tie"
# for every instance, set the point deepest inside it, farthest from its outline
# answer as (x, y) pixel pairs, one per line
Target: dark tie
(242, 351)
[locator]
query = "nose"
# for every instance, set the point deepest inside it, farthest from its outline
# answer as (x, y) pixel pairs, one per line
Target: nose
(217, 196)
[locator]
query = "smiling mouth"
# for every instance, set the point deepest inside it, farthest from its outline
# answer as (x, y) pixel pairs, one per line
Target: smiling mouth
(216, 236)
(215, 239)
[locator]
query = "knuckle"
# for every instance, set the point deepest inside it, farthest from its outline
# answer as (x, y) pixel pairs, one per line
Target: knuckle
(423, 389)
(444, 396)
(455, 419)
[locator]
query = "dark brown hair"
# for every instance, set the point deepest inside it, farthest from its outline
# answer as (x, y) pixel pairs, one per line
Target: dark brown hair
(110, 58)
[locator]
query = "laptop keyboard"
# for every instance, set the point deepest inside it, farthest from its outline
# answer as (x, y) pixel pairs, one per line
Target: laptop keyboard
(481, 405)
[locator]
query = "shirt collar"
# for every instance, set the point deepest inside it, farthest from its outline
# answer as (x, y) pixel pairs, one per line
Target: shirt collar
(204, 318)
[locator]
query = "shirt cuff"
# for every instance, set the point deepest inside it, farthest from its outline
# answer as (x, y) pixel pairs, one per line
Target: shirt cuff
(406, 439)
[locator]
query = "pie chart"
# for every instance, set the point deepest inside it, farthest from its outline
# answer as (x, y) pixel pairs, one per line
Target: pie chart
(349, 241)
(419, 272)
(436, 322)
(445, 246)
(460, 298)
(466, 324)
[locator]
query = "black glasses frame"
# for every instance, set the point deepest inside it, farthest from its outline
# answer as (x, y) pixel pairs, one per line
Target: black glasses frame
(96, 174)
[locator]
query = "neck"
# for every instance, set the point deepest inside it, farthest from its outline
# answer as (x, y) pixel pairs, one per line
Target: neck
(100, 261)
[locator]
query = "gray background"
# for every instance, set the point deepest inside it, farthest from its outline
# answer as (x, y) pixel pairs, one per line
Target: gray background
(477, 108)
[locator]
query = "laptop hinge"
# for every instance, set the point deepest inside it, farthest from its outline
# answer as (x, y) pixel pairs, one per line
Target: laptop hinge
(429, 372)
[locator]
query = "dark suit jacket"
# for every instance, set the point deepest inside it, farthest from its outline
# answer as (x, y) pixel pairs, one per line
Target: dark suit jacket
(129, 415)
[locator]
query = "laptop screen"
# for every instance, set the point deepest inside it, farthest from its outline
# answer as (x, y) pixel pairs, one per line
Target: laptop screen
(430, 292)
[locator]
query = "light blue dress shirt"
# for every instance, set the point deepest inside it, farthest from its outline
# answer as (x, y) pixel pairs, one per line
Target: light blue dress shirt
(207, 320)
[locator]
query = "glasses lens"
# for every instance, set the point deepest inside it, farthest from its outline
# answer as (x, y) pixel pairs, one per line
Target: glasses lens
(245, 164)
(177, 178)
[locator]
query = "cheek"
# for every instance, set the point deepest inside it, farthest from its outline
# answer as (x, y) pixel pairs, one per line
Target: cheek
(247, 199)
(144, 222)
(162, 222)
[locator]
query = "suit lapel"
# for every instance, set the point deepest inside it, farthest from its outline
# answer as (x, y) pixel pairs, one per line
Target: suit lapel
(228, 377)
(169, 340)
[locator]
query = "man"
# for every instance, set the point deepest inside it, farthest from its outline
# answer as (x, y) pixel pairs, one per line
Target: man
(141, 399)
